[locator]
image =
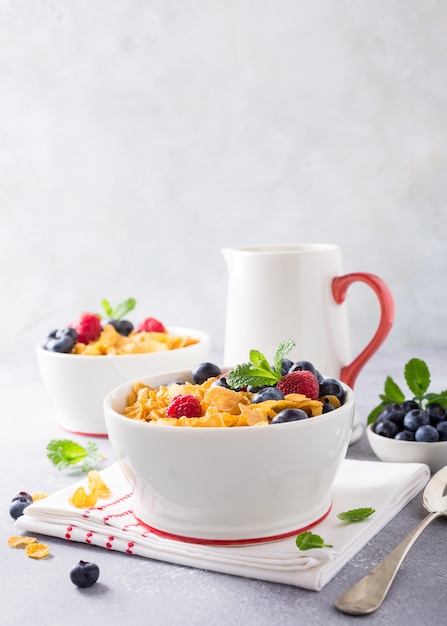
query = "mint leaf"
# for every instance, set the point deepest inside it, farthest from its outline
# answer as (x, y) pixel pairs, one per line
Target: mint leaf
(119, 311)
(107, 308)
(283, 350)
(258, 371)
(307, 541)
(356, 515)
(376, 412)
(417, 376)
(123, 308)
(66, 453)
(249, 374)
(437, 398)
(392, 391)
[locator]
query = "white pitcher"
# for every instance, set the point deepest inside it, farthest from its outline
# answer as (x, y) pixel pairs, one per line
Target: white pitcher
(297, 292)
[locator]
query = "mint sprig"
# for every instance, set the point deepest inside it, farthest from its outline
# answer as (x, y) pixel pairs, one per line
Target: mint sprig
(66, 453)
(120, 310)
(418, 378)
(258, 372)
(356, 515)
(308, 540)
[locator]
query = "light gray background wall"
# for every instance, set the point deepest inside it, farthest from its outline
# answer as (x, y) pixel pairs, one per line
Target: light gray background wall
(139, 137)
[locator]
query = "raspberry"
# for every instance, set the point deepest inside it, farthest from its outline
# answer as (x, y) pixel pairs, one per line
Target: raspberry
(88, 327)
(185, 405)
(151, 325)
(303, 382)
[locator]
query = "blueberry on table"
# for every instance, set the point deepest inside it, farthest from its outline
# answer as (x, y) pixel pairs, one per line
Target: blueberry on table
(18, 505)
(203, 371)
(84, 574)
(289, 415)
(22, 494)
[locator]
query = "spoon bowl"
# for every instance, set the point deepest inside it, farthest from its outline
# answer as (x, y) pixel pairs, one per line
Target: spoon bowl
(368, 594)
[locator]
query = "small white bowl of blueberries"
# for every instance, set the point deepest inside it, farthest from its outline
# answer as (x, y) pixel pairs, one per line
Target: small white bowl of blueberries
(413, 429)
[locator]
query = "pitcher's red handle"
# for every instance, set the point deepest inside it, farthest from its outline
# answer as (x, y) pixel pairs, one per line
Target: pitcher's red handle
(340, 285)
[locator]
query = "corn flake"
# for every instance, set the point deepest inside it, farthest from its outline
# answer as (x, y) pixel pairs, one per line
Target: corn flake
(83, 500)
(20, 541)
(38, 495)
(111, 342)
(221, 407)
(37, 550)
(97, 485)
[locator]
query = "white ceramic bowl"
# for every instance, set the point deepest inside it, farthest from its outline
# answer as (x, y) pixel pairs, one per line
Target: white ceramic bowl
(78, 383)
(228, 485)
(433, 454)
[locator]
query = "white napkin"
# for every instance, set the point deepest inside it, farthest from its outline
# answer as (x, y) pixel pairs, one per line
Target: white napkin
(386, 487)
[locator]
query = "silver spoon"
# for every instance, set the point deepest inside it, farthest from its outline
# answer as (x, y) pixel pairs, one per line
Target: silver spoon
(368, 594)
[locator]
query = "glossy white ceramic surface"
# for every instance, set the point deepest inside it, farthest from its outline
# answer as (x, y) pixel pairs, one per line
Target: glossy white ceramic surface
(78, 384)
(228, 484)
(433, 454)
(306, 303)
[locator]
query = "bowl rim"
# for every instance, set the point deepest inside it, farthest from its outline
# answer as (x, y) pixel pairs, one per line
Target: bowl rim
(111, 413)
(392, 441)
(202, 335)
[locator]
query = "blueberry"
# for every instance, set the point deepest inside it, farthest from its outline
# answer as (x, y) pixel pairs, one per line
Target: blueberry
(393, 412)
(332, 387)
(253, 389)
(298, 366)
(289, 415)
(268, 393)
(405, 435)
(71, 332)
(220, 382)
(436, 413)
(84, 574)
(22, 494)
(415, 418)
(123, 327)
(386, 428)
(327, 407)
(63, 345)
(319, 376)
(61, 340)
(442, 430)
(286, 364)
(408, 405)
(18, 506)
(426, 433)
(203, 371)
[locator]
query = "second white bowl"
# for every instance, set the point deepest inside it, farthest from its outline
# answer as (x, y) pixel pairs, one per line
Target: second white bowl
(78, 383)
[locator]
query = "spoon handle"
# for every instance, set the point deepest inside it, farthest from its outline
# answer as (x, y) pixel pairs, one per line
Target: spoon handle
(368, 594)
